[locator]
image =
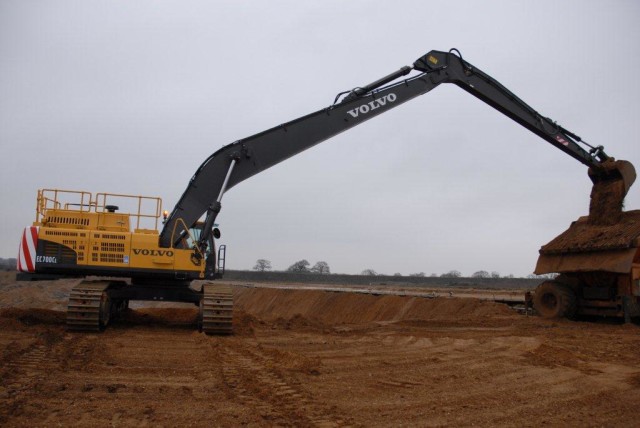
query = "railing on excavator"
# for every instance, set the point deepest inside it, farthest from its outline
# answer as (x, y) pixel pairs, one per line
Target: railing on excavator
(140, 207)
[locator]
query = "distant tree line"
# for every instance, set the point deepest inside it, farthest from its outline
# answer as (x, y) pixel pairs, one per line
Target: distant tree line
(301, 266)
(322, 267)
(8, 264)
(451, 274)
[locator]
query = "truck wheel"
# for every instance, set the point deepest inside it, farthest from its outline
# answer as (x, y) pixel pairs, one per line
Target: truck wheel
(554, 300)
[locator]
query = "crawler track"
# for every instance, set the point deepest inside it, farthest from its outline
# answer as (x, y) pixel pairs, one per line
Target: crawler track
(89, 306)
(216, 309)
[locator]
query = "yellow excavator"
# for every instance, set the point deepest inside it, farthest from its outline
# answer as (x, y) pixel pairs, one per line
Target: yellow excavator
(79, 234)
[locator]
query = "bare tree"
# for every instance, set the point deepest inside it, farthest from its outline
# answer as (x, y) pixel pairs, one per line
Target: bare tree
(419, 274)
(321, 268)
(262, 265)
(480, 274)
(495, 274)
(301, 266)
(369, 272)
(452, 274)
(397, 274)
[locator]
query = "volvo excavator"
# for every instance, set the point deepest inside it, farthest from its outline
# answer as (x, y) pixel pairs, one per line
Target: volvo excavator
(80, 234)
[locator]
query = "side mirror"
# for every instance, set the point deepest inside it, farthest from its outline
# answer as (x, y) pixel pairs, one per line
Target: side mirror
(216, 233)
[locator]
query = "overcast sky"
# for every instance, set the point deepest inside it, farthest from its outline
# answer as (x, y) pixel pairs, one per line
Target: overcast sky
(132, 96)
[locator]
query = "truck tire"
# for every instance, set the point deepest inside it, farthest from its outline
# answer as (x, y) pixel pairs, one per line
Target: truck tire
(554, 300)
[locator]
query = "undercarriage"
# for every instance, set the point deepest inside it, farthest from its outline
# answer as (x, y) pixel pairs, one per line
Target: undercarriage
(94, 303)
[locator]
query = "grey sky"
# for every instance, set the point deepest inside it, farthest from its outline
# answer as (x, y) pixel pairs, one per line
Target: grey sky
(130, 97)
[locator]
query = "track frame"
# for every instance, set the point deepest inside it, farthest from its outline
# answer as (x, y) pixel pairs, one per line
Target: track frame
(93, 304)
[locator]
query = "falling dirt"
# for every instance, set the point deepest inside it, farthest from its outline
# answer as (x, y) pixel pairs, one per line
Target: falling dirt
(611, 182)
(314, 358)
(606, 202)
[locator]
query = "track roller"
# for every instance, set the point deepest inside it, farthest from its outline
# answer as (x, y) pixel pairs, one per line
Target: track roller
(216, 309)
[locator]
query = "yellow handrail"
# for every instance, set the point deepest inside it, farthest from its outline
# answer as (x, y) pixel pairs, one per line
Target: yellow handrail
(82, 201)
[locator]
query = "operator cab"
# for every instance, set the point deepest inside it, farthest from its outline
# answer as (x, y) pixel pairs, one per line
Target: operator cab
(192, 239)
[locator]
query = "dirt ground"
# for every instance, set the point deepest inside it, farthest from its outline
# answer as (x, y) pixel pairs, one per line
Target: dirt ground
(313, 358)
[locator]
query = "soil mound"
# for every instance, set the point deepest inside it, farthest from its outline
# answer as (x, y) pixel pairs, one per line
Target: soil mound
(7, 277)
(36, 294)
(310, 307)
(31, 316)
(288, 309)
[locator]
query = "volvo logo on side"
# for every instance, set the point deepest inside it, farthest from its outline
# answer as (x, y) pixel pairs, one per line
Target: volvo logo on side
(146, 252)
(373, 105)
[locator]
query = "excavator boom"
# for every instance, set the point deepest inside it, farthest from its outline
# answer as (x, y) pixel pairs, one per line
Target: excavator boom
(244, 158)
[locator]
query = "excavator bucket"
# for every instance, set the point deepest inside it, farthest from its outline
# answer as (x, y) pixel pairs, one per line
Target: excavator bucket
(621, 169)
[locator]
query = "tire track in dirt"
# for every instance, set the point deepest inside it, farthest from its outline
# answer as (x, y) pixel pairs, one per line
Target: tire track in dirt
(458, 374)
(252, 377)
(25, 367)
(158, 373)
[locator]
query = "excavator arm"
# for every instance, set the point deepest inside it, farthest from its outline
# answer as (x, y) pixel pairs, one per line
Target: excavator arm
(451, 68)
(244, 158)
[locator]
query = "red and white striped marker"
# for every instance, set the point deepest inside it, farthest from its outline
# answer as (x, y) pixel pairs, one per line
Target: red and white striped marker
(27, 251)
